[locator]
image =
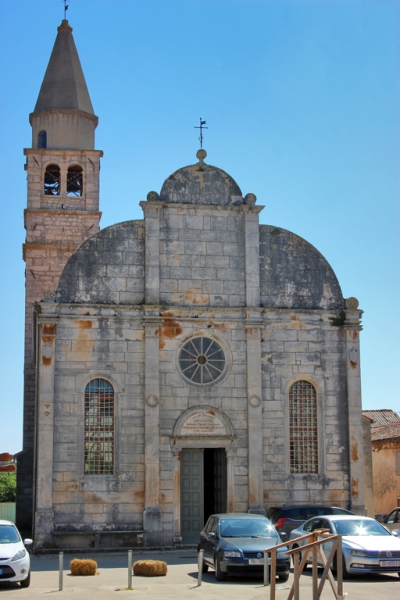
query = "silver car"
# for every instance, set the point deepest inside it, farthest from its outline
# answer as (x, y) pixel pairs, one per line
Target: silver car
(367, 546)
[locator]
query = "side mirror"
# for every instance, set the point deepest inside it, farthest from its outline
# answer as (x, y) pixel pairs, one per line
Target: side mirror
(396, 532)
(28, 542)
(211, 534)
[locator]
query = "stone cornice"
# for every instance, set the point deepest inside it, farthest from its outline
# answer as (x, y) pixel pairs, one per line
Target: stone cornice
(50, 151)
(64, 111)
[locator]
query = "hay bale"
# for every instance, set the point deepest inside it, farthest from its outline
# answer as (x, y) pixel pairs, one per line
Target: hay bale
(150, 568)
(83, 566)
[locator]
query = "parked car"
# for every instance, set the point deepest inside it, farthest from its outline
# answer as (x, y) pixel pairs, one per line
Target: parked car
(392, 520)
(287, 518)
(380, 517)
(367, 546)
(14, 561)
(234, 544)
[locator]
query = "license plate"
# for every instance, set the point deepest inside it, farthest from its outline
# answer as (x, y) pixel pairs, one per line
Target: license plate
(256, 561)
(1, 571)
(389, 563)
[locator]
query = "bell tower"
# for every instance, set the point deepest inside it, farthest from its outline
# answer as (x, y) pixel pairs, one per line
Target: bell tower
(62, 211)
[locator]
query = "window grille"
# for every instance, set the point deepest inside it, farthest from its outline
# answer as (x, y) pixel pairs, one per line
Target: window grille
(99, 428)
(201, 360)
(74, 181)
(52, 180)
(303, 428)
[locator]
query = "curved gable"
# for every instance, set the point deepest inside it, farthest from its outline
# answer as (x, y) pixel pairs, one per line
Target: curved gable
(294, 274)
(108, 268)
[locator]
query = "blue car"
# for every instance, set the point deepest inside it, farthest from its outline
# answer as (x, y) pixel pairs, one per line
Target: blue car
(234, 544)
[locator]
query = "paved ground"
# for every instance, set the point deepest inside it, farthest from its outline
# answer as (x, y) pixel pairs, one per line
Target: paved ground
(179, 584)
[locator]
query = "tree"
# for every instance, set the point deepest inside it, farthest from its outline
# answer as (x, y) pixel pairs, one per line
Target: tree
(8, 487)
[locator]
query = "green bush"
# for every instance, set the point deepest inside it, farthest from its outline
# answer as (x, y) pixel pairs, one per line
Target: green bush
(8, 487)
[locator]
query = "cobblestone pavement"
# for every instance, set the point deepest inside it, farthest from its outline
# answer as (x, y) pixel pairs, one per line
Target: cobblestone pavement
(180, 583)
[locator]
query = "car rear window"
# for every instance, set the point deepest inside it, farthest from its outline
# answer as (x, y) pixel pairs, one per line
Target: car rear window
(297, 514)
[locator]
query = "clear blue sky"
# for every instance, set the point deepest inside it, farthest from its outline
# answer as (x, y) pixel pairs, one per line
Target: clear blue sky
(302, 102)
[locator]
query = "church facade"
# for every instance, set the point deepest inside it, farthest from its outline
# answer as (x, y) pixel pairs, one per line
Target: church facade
(191, 362)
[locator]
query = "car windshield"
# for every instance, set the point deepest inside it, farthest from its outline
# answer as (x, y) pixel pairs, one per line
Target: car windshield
(360, 527)
(247, 528)
(8, 535)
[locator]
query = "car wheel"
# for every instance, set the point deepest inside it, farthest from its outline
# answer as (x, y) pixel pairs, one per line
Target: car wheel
(297, 557)
(283, 576)
(219, 575)
(26, 582)
(204, 568)
(346, 574)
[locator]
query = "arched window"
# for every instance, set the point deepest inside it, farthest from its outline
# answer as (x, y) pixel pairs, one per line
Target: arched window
(99, 428)
(42, 139)
(74, 181)
(52, 180)
(303, 428)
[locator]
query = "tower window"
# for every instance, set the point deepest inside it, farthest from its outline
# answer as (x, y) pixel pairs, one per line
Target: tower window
(42, 139)
(52, 180)
(74, 181)
(99, 428)
(303, 428)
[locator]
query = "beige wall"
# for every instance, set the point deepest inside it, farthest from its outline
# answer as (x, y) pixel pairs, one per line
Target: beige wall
(386, 483)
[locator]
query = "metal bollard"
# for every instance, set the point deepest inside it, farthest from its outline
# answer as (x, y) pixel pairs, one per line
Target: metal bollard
(129, 569)
(200, 566)
(60, 571)
(266, 569)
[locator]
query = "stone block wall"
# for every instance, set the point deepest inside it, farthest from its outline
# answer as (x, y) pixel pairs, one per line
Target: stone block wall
(202, 256)
(303, 345)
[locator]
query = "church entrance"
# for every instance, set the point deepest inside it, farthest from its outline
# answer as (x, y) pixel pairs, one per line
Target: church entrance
(203, 489)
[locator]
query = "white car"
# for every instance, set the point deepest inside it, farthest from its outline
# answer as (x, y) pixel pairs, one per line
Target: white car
(14, 558)
(367, 546)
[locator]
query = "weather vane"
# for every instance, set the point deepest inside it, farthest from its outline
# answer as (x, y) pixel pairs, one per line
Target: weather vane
(65, 8)
(202, 123)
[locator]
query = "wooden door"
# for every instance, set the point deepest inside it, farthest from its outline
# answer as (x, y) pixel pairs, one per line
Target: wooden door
(219, 480)
(192, 495)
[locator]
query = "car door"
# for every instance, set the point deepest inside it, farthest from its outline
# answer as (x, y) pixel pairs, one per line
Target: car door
(312, 525)
(211, 540)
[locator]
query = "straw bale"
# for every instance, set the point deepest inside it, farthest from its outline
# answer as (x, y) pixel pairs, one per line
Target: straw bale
(83, 566)
(150, 568)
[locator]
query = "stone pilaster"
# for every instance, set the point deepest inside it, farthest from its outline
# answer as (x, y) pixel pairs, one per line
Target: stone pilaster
(176, 453)
(352, 329)
(45, 426)
(230, 479)
(152, 510)
(151, 210)
(252, 253)
(254, 412)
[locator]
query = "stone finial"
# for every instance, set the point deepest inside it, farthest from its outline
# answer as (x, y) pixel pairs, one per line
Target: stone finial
(201, 154)
(48, 296)
(250, 199)
(352, 302)
(153, 197)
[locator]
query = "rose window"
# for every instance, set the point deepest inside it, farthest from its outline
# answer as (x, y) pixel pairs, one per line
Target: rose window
(201, 360)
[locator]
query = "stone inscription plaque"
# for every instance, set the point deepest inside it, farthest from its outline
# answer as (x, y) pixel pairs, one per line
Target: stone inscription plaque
(203, 424)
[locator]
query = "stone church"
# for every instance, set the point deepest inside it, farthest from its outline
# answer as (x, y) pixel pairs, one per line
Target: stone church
(190, 362)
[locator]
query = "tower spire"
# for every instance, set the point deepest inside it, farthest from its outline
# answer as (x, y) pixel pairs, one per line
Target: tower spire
(63, 108)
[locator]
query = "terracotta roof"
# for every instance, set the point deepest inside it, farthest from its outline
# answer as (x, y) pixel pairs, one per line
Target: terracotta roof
(381, 417)
(386, 432)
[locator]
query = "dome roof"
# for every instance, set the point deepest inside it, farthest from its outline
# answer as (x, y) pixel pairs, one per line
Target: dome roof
(201, 184)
